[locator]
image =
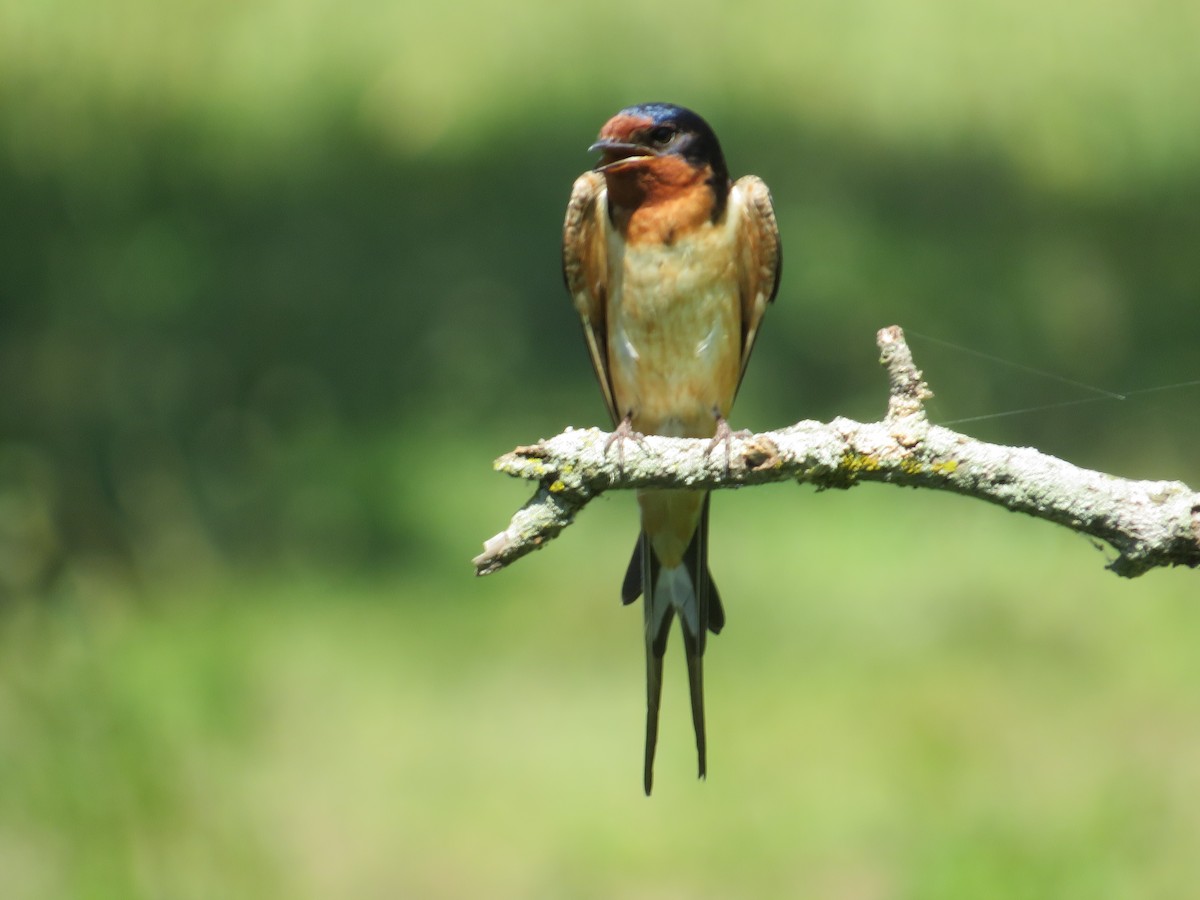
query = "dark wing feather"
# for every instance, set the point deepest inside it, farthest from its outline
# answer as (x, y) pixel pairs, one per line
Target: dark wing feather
(585, 270)
(762, 259)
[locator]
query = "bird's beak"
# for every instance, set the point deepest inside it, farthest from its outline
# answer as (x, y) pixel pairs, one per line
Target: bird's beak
(615, 152)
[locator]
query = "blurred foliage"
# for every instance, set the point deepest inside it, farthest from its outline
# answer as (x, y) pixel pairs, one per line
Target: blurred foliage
(995, 716)
(246, 238)
(280, 279)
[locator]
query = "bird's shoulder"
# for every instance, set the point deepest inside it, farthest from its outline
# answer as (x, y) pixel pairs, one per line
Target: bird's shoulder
(750, 202)
(584, 242)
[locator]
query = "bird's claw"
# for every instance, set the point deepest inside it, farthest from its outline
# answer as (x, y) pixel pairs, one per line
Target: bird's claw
(725, 435)
(622, 433)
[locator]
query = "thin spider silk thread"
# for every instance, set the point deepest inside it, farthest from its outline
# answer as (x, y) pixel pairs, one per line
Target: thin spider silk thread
(1103, 394)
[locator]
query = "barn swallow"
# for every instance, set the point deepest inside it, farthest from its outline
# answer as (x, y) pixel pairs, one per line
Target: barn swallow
(671, 267)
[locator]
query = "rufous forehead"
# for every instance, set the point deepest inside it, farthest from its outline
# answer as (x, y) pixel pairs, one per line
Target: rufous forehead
(623, 126)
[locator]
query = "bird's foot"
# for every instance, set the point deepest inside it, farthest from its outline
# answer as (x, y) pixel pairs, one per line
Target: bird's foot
(622, 433)
(725, 435)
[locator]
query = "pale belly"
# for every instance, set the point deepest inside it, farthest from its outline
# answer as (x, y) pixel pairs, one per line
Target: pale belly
(674, 348)
(674, 334)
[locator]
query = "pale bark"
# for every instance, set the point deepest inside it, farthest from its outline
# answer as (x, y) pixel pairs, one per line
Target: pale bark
(1148, 523)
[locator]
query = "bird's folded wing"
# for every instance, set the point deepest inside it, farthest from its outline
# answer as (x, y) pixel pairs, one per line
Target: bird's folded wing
(585, 270)
(761, 258)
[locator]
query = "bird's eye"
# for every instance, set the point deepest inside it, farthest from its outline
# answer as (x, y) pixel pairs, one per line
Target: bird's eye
(661, 136)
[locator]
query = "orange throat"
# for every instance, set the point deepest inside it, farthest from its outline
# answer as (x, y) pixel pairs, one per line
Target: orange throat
(659, 200)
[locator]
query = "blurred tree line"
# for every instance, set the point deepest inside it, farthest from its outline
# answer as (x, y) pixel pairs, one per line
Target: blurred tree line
(252, 259)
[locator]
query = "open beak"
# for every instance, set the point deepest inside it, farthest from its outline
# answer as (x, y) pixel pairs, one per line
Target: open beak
(615, 152)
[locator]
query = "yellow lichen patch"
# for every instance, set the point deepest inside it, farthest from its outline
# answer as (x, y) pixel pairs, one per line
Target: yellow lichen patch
(853, 463)
(946, 466)
(557, 487)
(910, 466)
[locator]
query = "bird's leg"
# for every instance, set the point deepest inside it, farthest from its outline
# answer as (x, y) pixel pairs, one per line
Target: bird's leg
(725, 436)
(622, 433)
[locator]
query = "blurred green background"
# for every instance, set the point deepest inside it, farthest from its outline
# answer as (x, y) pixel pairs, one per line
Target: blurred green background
(280, 280)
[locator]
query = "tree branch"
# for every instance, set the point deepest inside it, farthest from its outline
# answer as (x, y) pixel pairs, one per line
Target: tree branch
(1148, 523)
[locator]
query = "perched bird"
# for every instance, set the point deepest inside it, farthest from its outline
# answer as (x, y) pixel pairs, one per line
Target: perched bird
(671, 267)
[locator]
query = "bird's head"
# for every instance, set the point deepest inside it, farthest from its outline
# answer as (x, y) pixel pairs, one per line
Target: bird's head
(652, 135)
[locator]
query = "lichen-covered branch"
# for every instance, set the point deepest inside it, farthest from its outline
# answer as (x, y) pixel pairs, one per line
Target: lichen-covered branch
(1148, 523)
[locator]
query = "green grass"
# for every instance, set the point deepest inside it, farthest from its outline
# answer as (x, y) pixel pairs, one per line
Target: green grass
(917, 696)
